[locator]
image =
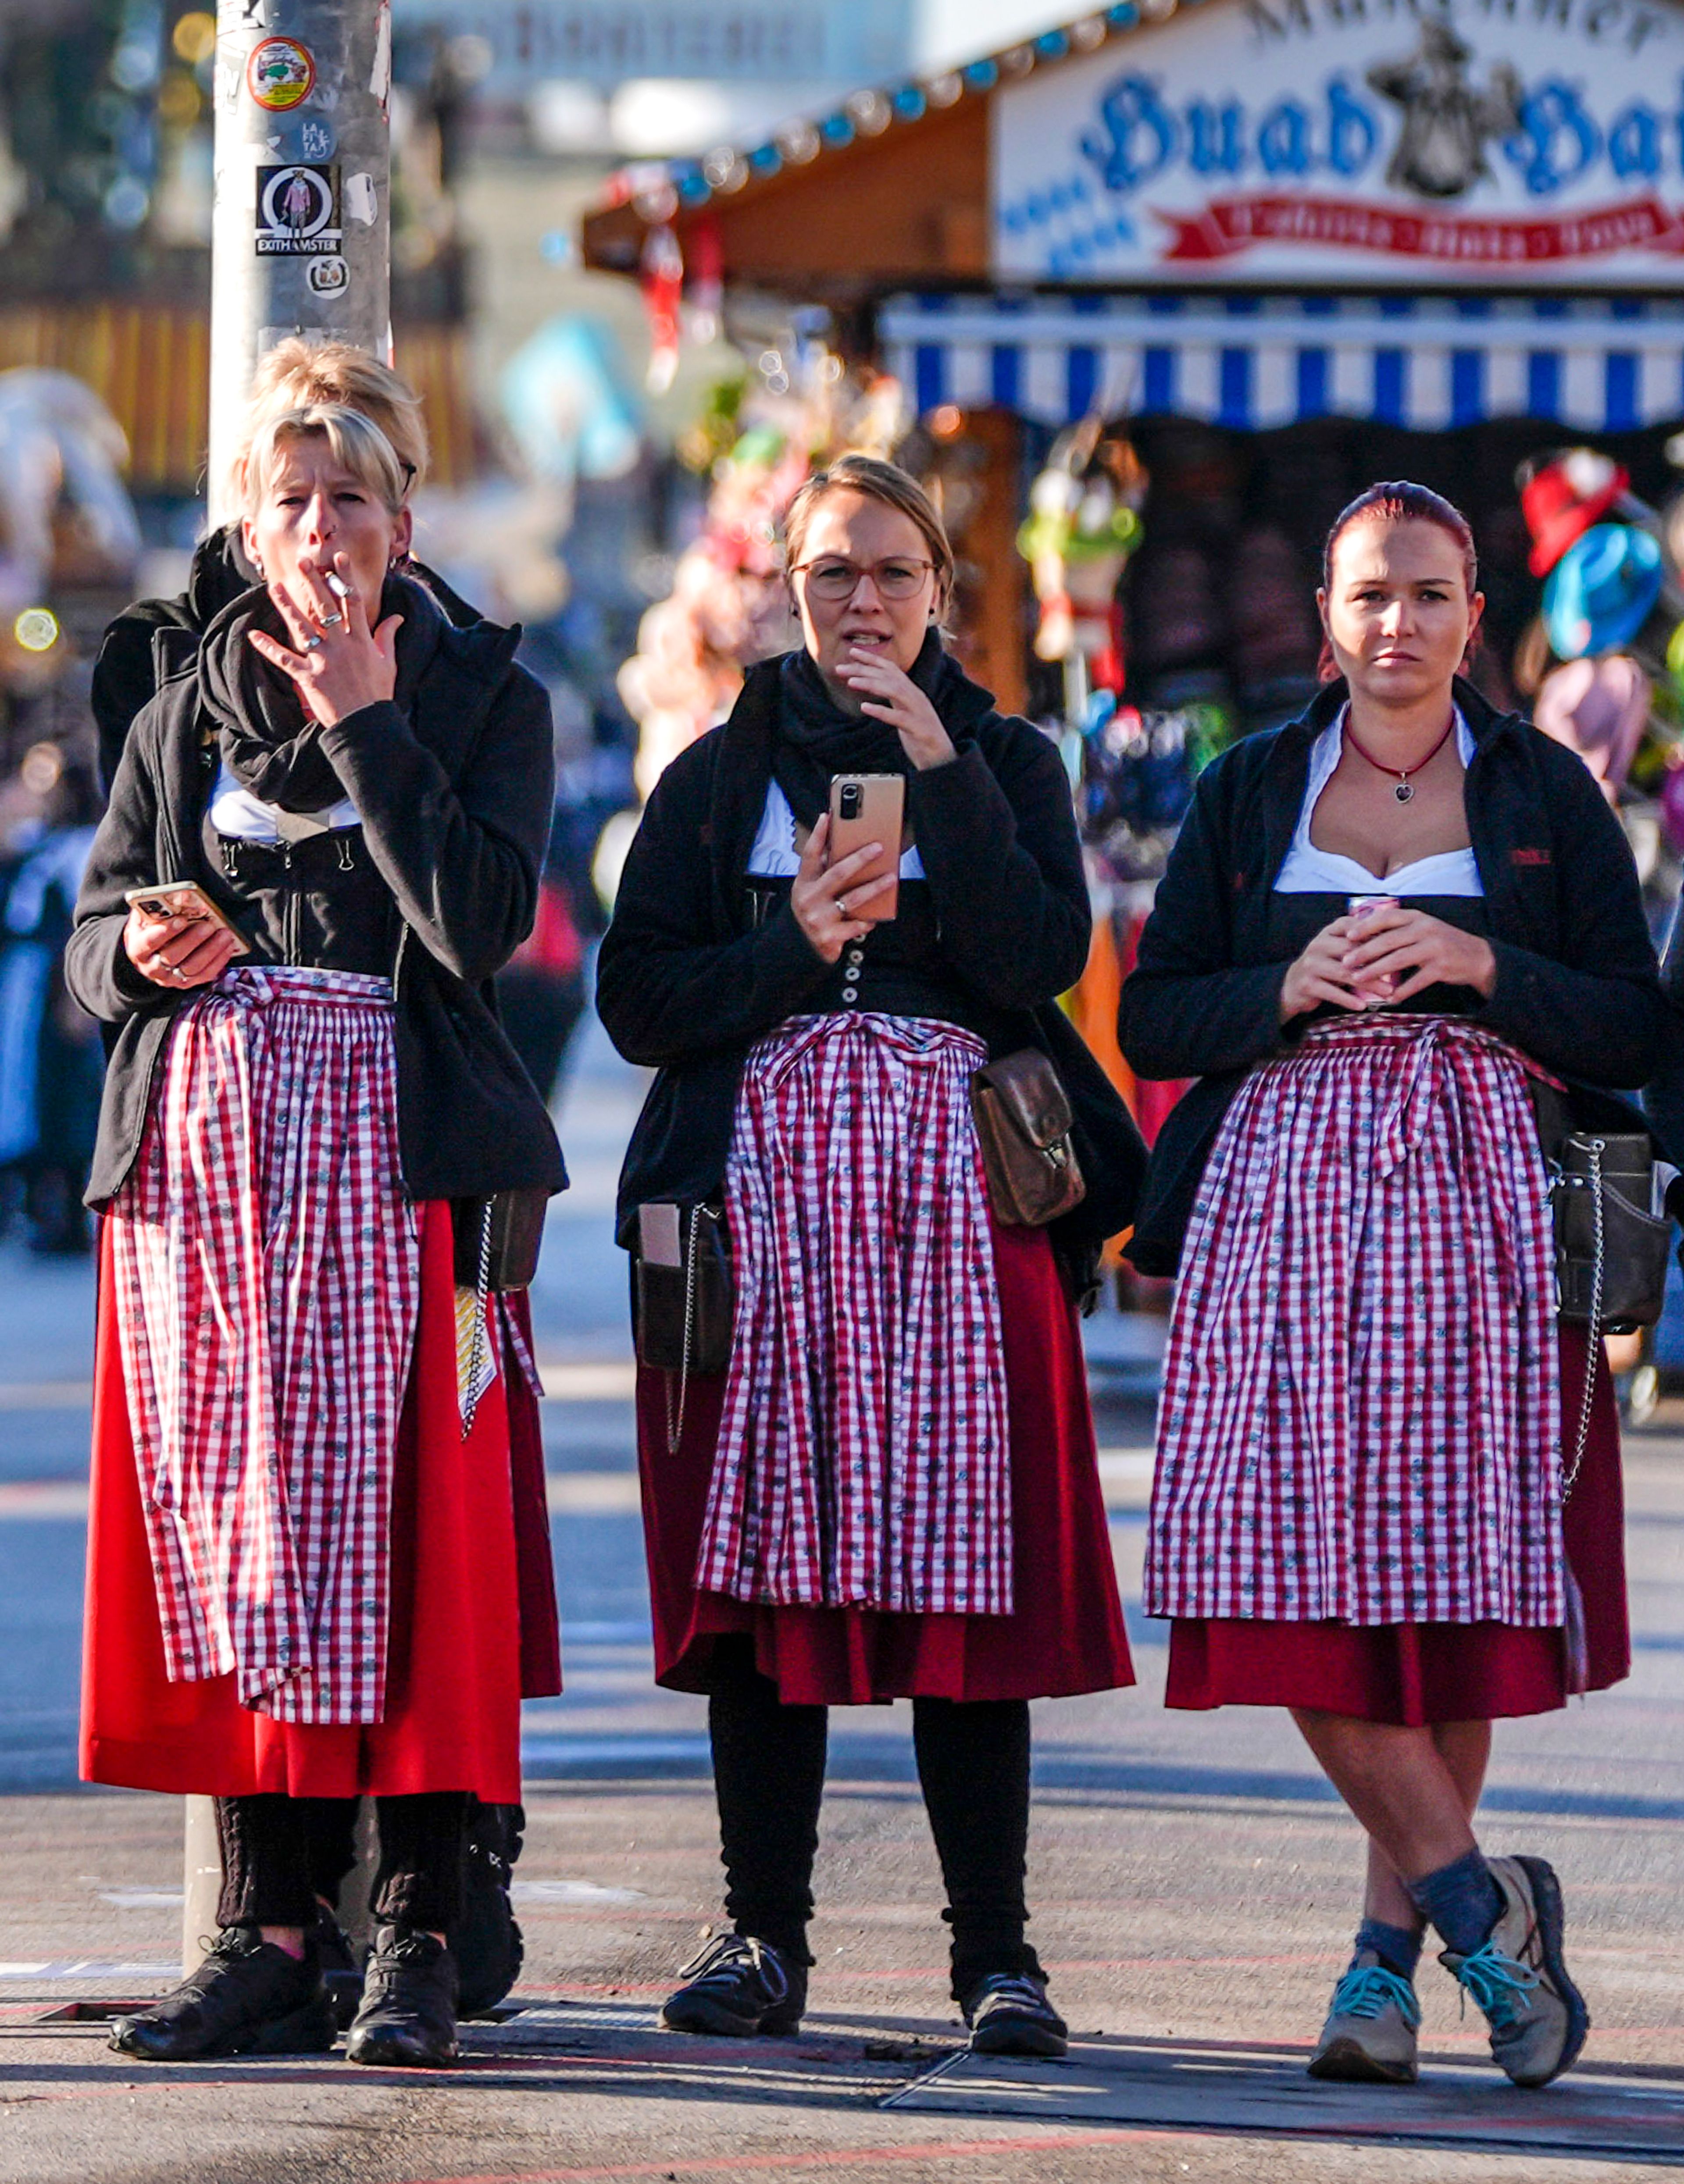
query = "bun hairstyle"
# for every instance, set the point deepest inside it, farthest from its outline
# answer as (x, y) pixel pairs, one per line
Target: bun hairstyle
(878, 480)
(1399, 500)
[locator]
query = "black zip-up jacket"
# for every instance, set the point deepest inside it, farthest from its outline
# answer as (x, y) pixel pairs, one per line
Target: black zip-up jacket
(1576, 988)
(453, 781)
(697, 964)
(154, 639)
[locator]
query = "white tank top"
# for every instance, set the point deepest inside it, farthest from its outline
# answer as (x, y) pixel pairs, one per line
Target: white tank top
(1310, 871)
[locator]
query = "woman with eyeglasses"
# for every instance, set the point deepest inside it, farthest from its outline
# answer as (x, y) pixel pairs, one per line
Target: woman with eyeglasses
(890, 1492)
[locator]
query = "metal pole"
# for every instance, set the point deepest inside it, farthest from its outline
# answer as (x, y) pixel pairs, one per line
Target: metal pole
(301, 244)
(301, 239)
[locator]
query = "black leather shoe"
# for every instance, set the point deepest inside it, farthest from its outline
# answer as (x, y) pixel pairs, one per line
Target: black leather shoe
(407, 2016)
(340, 1973)
(248, 1997)
(488, 1945)
(736, 1988)
(1009, 2015)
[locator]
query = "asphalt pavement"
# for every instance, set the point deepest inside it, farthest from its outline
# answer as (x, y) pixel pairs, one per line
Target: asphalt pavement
(1193, 1881)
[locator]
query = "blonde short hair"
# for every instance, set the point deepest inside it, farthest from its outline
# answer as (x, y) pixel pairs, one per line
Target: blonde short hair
(878, 480)
(355, 441)
(300, 375)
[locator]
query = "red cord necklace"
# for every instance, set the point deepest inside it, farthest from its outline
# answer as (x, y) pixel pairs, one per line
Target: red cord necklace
(1402, 790)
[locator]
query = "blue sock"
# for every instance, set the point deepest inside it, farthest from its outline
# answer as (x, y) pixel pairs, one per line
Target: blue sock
(1462, 1900)
(1397, 1947)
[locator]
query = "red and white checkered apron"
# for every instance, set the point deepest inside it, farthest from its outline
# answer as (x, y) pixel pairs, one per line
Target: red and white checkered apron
(1361, 1410)
(268, 1278)
(863, 1458)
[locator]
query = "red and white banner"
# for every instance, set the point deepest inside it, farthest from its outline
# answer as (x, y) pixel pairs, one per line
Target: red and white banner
(1229, 225)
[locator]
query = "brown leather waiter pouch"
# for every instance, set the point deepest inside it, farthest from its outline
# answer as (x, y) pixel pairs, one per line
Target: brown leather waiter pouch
(1023, 1123)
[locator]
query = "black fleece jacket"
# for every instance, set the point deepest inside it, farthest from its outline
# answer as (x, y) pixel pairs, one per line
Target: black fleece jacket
(153, 639)
(453, 786)
(690, 974)
(1576, 982)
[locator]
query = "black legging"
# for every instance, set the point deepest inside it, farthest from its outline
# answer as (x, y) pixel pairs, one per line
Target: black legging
(768, 1771)
(281, 1855)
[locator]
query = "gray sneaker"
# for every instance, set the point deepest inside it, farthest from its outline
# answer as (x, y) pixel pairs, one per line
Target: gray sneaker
(1370, 2036)
(1537, 2017)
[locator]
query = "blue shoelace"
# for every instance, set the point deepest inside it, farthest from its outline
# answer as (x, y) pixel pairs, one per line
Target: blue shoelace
(1497, 1982)
(1367, 1989)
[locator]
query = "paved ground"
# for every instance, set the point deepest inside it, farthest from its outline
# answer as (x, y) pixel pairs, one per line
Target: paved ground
(1192, 1881)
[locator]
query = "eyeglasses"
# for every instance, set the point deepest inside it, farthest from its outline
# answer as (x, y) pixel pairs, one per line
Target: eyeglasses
(834, 579)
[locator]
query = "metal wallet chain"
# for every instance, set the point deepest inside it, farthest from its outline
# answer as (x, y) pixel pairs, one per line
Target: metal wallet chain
(476, 1355)
(1571, 1473)
(675, 1423)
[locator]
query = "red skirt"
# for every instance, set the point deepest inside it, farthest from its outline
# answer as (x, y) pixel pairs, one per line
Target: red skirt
(1412, 1674)
(1067, 1634)
(473, 1626)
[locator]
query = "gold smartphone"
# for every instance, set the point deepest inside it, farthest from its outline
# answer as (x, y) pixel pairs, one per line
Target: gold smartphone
(184, 899)
(870, 807)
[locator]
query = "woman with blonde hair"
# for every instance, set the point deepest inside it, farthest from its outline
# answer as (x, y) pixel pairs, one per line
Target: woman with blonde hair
(156, 637)
(888, 1488)
(316, 1419)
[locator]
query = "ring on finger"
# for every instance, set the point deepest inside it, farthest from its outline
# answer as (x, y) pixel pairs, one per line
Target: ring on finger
(332, 620)
(313, 642)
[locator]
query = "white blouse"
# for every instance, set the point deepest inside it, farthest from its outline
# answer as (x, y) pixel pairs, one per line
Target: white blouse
(237, 812)
(775, 854)
(1310, 871)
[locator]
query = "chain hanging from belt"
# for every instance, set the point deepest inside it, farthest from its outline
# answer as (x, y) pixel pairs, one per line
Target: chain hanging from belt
(675, 1418)
(483, 1295)
(1592, 1333)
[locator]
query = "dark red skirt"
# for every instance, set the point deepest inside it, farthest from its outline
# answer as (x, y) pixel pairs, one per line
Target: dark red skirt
(472, 1627)
(1414, 1673)
(1067, 1635)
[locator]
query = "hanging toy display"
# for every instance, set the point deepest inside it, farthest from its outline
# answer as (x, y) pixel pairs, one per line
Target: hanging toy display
(1083, 523)
(1602, 660)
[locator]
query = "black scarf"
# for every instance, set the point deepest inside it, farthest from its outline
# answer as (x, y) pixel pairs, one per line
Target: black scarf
(269, 743)
(815, 738)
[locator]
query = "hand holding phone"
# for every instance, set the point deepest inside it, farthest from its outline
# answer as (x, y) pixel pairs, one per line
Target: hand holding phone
(868, 809)
(176, 937)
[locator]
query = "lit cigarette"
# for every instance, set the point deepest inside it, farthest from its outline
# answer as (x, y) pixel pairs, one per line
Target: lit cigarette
(338, 586)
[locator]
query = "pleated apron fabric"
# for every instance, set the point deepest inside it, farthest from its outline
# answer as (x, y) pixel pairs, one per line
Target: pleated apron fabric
(1361, 1415)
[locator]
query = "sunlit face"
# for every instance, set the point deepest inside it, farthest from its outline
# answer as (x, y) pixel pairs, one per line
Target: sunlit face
(315, 508)
(850, 526)
(1397, 610)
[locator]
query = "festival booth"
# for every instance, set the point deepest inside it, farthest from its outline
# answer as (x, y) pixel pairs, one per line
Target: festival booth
(1159, 291)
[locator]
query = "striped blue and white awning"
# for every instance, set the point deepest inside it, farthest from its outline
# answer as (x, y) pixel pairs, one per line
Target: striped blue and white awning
(1252, 362)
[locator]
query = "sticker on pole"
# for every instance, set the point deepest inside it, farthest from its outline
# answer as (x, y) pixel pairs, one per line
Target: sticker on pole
(298, 212)
(280, 75)
(328, 276)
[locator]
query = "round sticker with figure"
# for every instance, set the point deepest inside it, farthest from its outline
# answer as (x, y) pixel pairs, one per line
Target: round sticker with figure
(328, 276)
(280, 75)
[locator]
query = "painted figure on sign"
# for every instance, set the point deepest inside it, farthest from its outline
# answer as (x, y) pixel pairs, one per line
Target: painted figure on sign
(298, 203)
(1447, 124)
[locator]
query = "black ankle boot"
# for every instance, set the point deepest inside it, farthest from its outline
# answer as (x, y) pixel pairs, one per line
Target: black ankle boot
(248, 1997)
(487, 1945)
(737, 1986)
(407, 2016)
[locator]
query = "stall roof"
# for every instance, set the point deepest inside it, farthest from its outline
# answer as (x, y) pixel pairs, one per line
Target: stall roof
(1310, 207)
(1601, 365)
(913, 157)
